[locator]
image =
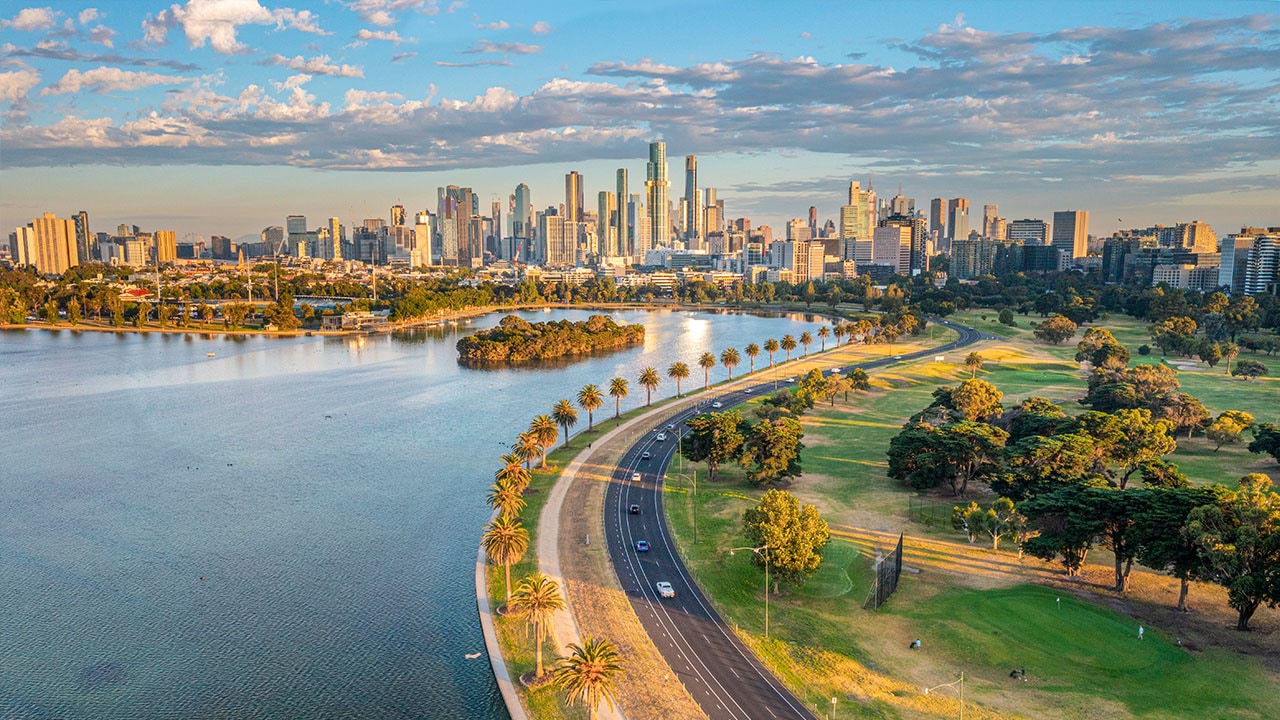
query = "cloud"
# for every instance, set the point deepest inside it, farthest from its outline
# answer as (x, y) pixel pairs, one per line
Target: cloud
(388, 35)
(403, 56)
(32, 19)
(108, 79)
(88, 15)
(216, 22)
(542, 27)
(382, 12)
(16, 84)
(102, 35)
(63, 53)
(513, 48)
(319, 65)
(476, 63)
(499, 25)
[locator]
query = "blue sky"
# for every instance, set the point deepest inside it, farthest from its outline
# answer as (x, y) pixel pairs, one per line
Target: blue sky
(222, 116)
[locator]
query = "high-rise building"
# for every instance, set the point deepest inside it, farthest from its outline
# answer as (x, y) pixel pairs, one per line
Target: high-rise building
(166, 246)
(918, 252)
(1196, 236)
(296, 227)
(84, 238)
(958, 218)
(1071, 232)
(856, 224)
(990, 214)
(891, 245)
(693, 214)
(573, 197)
(422, 236)
(938, 217)
(813, 221)
(397, 215)
(331, 248)
(656, 191)
(606, 219)
(901, 205)
(1029, 231)
(555, 232)
(1263, 264)
(521, 223)
(713, 213)
(798, 229)
(626, 220)
(47, 243)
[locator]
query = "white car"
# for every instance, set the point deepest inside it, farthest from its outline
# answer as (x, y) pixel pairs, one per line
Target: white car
(747, 391)
(791, 379)
(635, 477)
(671, 427)
(661, 437)
(717, 404)
(665, 590)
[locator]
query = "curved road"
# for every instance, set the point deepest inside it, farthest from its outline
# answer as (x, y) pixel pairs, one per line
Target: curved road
(721, 674)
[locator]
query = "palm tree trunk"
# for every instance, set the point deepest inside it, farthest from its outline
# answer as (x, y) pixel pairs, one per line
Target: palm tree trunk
(507, 569)
(537, 628)
(617, 408)
(706, 378)
(678, 388)
(566, 434)
(591, 420)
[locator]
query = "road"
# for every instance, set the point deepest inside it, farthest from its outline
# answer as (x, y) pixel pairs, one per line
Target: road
(721, 674)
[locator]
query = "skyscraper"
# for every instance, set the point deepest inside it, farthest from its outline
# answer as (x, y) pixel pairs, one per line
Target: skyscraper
(958, 218)
(938, 217)
(521, 222)
(1029, 231)
(332, 249)
(657, 203)
(397, 215)
(296, 227)
(813, 221)
(713, 213)
(573, 198)
(554, 230)
(625, 218)
(166, 246)
(693, 230)
(1071, 232)
(84, 238)
(856, 222)
(48, 243)
(990, 214)
(606, 217)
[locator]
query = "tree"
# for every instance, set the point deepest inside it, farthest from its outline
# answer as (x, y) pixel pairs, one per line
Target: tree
(730, 359)
(73, 311)
(536, 600)
(505, 499)
(1056, 330)
(1035, 416)
(116, 306)
(1038, 464)
(527, 447)
(1163, 474)
(1251, 369)
(206, 312)
(617, 390)
(590, 674)
(772, 451)
(678, 372)
(1148, 386)
(771, 347)
(788, 344)
(1230, 351)
(140, 319)
(1210, 353)
(706, 361)
(714, 438)
(513, 472)
(1141, 440)
(924, 456)
(565, 415)
(235, 313)
(1160, 517)
(1266, 439)
(1241, 314)
(544, 428)
(50, 313)
(858, 380)
(1067, 524)
(590, 399)
(824, 332)
(806, 340)
(1223, 431)
(970, 400)
(1100, 348)
(1239, 543)
(505, 541)
(752, 351)
(997, 522)
(1185, 412)
(974, 363)
(793, 536)
(649, 380)
(838, 330)
(1006, 317)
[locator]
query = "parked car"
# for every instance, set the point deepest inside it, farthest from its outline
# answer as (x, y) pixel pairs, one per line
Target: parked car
(634, 509)
(664, 589)
(642, 546)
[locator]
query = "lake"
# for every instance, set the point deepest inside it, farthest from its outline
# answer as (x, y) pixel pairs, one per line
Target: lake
(287, 529)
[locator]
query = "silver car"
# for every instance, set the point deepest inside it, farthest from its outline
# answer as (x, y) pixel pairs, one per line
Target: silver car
(665, 590)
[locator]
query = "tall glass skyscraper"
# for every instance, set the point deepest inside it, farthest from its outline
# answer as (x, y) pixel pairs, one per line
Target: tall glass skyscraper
(692, 204)
(625, 219)
(657, 188)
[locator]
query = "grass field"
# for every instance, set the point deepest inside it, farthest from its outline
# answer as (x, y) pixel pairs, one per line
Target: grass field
(975, 608)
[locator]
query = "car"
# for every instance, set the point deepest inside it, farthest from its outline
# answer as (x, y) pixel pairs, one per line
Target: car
(897, 357)
(671, 427)
(747, 391)
(645, 455)
(717, 404)
(634, 509)
(642, 546)
(791, 379)
(635, 477)
(835, 371)
(664, 589)
(661, 437)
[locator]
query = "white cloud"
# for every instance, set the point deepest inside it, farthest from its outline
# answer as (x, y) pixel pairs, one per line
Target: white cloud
(513, 48)
(319, 65)
(15, 85)
(542, 27)
(387, 35)
(356, 99)
(102, 35)
(382, 12)
(107, 79)
(216, 21)
(498, 25)
(32, 19)
(88, 15)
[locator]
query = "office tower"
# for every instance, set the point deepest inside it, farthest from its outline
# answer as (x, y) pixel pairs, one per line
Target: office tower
(1071, 232)
(397, 215)
(448, 221)
(626, 220)
(813, 221)
(901, 205)
(958, 218)
(561, 243)
(422, 236)
(296, 227)
(805, 258)
(573, 197)
(1262, 264)
(855, 221)
(331, 247)
(1029, 231)
(713, 212)
(1196, 236)
(521, 223)
(693, 215)
(973, 258)
(891, 245)
(873, 209)
(166, 246)
(918, 239)
(639, 225)
(273, 238)
(656, 191)
(938, 217)
(84, 239)
(990, 214)
(606, 219)
(798, 229)
(47, 243)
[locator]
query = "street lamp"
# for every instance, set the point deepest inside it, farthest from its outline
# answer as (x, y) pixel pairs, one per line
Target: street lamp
(764, 551)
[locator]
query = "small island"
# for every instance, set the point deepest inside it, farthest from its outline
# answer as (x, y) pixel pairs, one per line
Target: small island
(517, 340)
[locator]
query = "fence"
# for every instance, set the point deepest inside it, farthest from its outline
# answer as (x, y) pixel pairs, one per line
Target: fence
(928, 511)
(888, 571)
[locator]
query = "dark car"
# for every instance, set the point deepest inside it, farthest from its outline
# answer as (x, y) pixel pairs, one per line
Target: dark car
(642, 546)
(634, 509)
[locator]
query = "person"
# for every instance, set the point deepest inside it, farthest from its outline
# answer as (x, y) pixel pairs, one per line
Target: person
(1019, 673)
(1059, 603)
(915, 644)
(1140, 631)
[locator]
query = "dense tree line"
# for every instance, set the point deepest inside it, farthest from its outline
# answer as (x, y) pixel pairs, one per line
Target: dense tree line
(515, 339)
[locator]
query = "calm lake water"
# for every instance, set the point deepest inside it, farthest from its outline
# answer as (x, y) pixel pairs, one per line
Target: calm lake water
(285, 530)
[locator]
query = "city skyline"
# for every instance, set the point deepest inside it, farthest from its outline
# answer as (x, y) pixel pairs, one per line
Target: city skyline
(233, 120)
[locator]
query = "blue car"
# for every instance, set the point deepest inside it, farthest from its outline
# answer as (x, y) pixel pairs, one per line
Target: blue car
(642, 546)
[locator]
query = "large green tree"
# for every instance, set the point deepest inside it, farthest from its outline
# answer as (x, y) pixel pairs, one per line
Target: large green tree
(714, 438)
(956, 454)
(1056, 330)
(795, 535)
(505, 541)
(1266, 439)
(590, 399)
(1100, 348)
(771, 451)
(1239, 542)
(1160, 517)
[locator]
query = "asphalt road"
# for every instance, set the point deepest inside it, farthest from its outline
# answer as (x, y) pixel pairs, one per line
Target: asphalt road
(723, 676)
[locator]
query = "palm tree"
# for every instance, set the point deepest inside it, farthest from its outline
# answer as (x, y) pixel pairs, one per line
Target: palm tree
(618, 389)
(566, 415)
(839, 331)
(974, 363)
(771, 347)
(536, 600)
(678, 371)
(513, 472)
(752, 350)
(788, 344)
(505, 542)
(806, 339)
(545, 430)
(649, 381)
(590, 399)
(506, 499)
(590, 673)
(527, 447)
(824, 332)
(730, 359)
(706, 362)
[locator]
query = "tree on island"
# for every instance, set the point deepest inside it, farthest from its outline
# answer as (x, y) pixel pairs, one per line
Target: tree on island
(678, 372)
(649, 381)
(618, 389)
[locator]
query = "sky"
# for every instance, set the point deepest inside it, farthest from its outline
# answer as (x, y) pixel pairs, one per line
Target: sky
(224, 116)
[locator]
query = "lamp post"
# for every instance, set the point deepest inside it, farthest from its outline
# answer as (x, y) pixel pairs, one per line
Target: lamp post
(764, 551)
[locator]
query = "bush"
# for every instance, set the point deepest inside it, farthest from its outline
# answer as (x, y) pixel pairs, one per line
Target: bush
(1144, 349)
(1006, 317)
